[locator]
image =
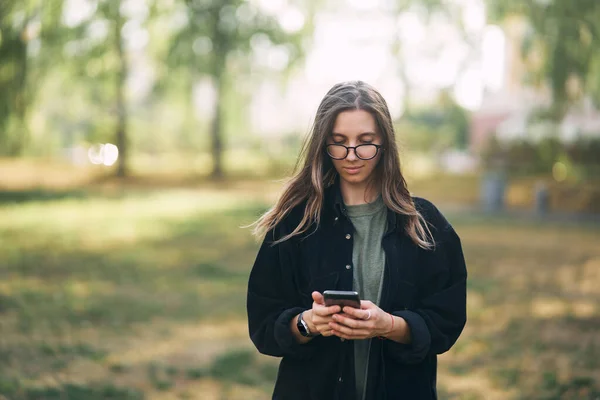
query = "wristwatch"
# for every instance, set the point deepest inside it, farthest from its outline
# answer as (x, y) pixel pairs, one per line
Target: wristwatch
(303, 326)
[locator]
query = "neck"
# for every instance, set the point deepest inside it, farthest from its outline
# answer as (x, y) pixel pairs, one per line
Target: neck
(358, 194)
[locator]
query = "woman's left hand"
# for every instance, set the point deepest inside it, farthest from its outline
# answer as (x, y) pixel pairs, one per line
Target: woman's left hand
(370, 321)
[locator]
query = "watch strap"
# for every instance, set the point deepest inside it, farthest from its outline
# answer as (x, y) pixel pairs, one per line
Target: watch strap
(303, 326)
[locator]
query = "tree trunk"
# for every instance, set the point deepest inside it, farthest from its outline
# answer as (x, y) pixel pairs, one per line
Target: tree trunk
(216, 129)
(17, 103)
(397, 52)
(407, 89)
(121, 104)
(21, 102)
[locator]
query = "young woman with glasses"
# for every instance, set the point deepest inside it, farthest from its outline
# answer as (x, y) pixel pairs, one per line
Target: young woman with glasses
(346, 221)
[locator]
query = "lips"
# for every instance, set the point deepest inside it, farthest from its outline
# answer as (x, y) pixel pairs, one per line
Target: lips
(352, 170)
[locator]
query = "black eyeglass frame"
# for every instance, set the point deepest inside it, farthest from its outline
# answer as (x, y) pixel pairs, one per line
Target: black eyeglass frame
(377, 146)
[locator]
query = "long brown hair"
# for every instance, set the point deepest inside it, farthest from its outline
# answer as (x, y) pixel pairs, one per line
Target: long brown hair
(315, 172)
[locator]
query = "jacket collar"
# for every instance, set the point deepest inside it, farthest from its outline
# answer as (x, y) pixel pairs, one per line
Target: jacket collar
(335, 201)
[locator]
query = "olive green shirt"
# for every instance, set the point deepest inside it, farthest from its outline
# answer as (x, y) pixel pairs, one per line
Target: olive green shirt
(368, 259)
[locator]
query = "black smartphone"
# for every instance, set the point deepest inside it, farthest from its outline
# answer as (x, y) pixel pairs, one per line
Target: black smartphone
(341, 298)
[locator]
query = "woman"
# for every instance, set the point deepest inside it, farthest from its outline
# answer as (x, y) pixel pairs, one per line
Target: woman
(346, 221)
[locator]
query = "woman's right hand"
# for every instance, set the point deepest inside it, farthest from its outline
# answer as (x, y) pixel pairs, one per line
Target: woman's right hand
(320, 316)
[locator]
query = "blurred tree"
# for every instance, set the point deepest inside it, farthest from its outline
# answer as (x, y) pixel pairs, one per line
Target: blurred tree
(424, 8)
(114, 12)
(112, 48)
(29, 32)
(564, 35)
(436, 128)
(217, 34)
(35, 37)
(13, 71)
(447, 124)
(456, 118)
(30, 36)
(99, 58)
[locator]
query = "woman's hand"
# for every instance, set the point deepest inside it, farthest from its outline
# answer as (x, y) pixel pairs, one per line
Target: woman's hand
(370, 321)
(320, 316)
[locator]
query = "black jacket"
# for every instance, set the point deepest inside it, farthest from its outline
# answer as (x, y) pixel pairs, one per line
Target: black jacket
(425, 287)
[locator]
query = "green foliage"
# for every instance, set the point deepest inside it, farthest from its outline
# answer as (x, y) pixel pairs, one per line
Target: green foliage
(218, 40)
(15, 18)
(526, 158)
(419, 137)
(49, 61)
(29, 34)
(441, 126)
(564, 34)
(444, 125)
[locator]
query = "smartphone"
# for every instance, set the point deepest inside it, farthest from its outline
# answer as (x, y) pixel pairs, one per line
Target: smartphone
(341, 298)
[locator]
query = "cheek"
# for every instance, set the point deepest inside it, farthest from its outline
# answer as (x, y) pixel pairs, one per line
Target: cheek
(337, 164)
(374, 162)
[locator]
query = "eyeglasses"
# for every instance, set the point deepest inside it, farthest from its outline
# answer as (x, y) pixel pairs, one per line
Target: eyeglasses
(362, 151)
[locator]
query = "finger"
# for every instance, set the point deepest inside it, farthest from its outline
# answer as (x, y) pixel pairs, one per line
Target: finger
(322, 320)
(357, 314)
(325, 311)
(326, 332)
(348, 309)
(345, 315)
(318, 297)
(349, 322)
(319, 320)
(343, 329)
(360, 334)
(364, 304)
(324, 329)
(366, 315)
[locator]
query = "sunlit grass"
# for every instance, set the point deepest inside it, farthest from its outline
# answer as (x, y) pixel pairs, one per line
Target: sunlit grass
(100, 270)
(532, 314)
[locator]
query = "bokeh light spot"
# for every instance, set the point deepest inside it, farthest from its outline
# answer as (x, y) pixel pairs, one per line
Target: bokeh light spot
(559, 171)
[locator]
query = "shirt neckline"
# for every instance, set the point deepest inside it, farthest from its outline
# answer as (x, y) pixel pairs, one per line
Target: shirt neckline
(362, 210)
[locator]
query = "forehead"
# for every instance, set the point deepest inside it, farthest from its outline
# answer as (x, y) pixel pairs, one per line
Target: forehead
(354, 122)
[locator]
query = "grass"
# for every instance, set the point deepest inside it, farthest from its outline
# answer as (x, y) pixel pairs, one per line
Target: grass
(85, 279)
(134, 292)
(533, 313)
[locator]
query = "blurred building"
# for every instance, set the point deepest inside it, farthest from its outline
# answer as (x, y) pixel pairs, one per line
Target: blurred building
(506, 112)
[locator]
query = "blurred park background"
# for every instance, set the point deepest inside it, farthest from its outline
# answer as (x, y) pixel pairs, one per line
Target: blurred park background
(137, 137)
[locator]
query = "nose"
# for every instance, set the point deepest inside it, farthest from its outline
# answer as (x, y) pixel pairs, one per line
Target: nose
(352, 154)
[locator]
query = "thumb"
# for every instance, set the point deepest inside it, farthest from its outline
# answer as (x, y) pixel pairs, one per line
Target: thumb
(317, 297)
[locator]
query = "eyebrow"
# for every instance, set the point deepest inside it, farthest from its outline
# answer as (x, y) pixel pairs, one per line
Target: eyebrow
(362, 134)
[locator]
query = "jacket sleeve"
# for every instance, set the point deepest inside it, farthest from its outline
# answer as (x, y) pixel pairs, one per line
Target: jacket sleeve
(440, 314)
(272, 300)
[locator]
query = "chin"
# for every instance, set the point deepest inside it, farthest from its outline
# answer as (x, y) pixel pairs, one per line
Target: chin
(353, 179)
